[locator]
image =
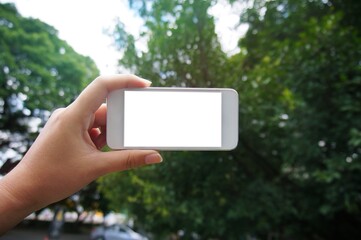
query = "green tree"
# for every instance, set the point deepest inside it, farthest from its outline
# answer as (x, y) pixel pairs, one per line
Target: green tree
(296, 171)
(317, 64)
(38, 73)
(183, 49)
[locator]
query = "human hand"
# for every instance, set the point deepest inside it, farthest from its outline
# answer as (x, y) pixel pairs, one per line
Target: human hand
(65, 157)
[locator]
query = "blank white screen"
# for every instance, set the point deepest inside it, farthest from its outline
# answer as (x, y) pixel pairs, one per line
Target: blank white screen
(172, 119)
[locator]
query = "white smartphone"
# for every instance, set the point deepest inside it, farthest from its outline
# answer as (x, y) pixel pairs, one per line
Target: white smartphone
(172, 119)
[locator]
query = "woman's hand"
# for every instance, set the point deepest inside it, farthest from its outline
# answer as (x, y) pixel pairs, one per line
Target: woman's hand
(65, 157)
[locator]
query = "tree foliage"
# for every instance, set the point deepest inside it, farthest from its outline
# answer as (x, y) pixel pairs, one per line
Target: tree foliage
(38, 72)
(296, 171)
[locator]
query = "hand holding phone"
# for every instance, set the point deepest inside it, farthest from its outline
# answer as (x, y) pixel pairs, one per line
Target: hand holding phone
(172, 119)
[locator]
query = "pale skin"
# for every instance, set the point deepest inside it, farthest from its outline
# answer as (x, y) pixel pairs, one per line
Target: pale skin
(66, 157)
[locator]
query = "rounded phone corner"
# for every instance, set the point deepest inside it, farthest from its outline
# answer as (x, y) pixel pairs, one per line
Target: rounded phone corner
(235, 93)
(232, 146)
(111, 144)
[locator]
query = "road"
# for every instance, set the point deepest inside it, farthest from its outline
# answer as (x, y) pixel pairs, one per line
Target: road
(28, 234)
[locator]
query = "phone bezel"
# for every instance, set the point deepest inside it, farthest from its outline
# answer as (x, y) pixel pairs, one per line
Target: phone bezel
(115, 118)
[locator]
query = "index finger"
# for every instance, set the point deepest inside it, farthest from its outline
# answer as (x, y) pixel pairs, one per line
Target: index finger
(95, 93)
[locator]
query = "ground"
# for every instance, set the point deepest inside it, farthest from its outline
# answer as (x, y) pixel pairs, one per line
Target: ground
(27, 234)
(39, 232)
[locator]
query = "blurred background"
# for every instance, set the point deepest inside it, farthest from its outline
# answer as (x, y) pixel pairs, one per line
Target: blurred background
(296, 173)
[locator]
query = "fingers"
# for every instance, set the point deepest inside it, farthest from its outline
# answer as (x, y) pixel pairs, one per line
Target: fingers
(100, 116)
(98, 137)
(127, 159)
(94, 95)
(98, 129)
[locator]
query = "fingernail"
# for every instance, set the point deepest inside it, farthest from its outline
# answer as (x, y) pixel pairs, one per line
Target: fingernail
(153, 158)
(146, 81)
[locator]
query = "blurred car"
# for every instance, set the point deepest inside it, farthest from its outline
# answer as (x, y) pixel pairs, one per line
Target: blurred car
(115, 232)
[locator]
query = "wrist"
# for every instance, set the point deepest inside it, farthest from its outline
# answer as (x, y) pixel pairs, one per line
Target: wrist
(15, 203)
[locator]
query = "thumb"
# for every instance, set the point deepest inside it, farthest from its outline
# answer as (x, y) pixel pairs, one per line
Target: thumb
(127, 159)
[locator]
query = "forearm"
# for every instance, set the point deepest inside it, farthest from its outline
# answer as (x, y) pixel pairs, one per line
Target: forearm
(14, 205)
